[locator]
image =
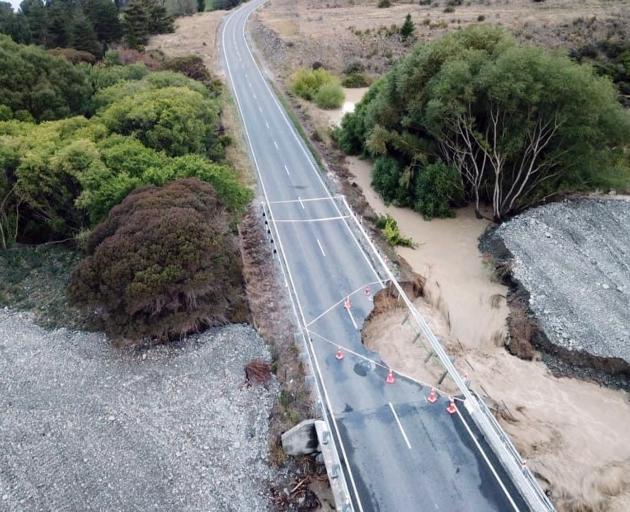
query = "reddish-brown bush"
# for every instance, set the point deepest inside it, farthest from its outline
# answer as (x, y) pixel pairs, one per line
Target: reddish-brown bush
(130, 56)
(164, 263)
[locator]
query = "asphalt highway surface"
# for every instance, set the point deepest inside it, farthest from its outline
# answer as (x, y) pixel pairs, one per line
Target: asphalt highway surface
(401, 452)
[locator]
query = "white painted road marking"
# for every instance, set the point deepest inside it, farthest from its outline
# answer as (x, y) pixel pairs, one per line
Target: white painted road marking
(352, 319)
(287, 169)
(267, 125)
(276, 144)
(402, 430)
(321, 248)
(302, 205)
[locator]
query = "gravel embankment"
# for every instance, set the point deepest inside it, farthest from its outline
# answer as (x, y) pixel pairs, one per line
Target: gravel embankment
(574, 260)
(85, 426)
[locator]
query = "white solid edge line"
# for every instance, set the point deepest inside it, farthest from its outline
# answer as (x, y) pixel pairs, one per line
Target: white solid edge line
(402, 430)
(485, 457)
(297, 300)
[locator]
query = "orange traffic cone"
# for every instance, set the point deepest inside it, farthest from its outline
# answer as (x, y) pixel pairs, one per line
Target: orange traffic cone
(451, 409)
(339, 354)
(432, 398)
(390, 379)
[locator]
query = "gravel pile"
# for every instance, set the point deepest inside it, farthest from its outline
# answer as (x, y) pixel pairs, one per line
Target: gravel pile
(574, 260)
(85, 426)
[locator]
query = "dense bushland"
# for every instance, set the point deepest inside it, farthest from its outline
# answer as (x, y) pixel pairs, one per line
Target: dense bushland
(61, 177)
(318, 85)
(35, 85)
(475, 117)
(164, 263)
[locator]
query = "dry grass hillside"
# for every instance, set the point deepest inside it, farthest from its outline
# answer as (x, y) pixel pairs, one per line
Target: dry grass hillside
(338, 32)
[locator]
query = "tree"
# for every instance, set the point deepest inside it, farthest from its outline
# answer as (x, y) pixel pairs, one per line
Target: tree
(136, 24)
(164, 263)
(14, 25)
(37, 19)
(59, 25)
(201, 5)
(84, 37)
(518, 123)
(103, 15)
(159, 21)
(407, 29)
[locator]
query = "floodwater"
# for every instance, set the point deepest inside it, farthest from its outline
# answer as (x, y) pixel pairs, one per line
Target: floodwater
(353, 96)
(458, 283)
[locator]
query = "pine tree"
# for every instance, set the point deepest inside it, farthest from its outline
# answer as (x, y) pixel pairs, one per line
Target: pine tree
(59, 29)
(35, 12)
(407, 28)
(103, 15)
(158, 18)
(84, 37)
(135, 23)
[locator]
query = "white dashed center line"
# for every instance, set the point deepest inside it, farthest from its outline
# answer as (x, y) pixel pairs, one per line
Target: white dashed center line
(402, 431)
(321, 248)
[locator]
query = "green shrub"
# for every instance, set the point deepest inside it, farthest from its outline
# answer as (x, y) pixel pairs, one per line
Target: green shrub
(386, 176)
(177, 120)
(389, 227)
(102, 77)
(329, 96)
(306, 82)
(129, 86)
(164, 263)
(355, 80)
(438, 188)
(382, 4)
(36, 83)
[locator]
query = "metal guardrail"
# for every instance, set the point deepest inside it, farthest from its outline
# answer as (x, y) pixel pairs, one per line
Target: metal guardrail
(509, 446)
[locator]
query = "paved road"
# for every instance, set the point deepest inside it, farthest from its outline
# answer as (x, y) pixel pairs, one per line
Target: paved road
(402, 453)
